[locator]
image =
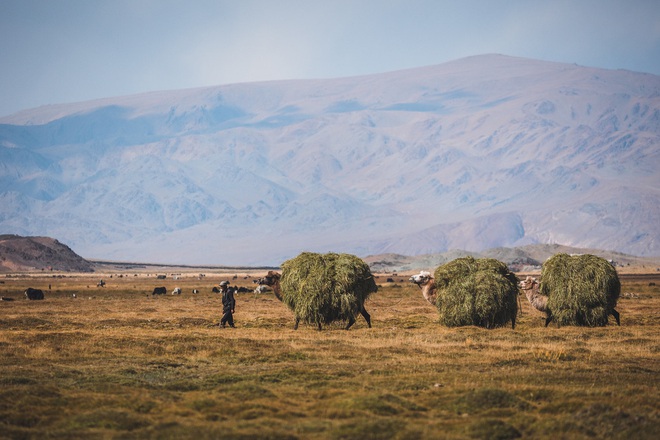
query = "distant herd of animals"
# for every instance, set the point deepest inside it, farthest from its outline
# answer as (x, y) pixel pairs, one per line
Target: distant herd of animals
(323, 288)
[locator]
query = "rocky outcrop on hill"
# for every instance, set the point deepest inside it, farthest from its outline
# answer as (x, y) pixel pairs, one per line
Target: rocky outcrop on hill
(20, 254)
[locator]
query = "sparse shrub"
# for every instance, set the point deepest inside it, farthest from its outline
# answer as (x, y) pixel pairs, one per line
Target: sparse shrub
(492, 429)
(476, 401)
(368, 428)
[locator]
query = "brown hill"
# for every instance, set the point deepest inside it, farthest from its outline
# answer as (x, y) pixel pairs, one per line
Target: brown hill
(27, 254)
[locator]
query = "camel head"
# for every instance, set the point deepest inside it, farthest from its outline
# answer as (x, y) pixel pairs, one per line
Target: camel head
(421, 278)
(270, 279)
(426, 282)
(529, 283)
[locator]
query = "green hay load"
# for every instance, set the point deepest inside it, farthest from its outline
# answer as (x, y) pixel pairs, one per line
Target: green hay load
(481, 292)
(582, 290)
(323, 288)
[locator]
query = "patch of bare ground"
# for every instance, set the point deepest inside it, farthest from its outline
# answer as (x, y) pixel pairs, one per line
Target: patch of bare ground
(120, 362)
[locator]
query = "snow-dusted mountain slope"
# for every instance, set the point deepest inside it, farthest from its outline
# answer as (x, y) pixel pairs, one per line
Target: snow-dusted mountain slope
(480, 152)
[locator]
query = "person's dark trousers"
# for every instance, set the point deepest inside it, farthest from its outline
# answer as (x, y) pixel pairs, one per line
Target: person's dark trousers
(227, 318)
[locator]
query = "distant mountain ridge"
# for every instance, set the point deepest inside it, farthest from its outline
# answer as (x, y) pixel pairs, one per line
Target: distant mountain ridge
(483, 152)
(527, 258)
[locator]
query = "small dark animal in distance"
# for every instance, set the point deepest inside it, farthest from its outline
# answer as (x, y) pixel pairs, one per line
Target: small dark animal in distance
(159, 291)
(31, 293)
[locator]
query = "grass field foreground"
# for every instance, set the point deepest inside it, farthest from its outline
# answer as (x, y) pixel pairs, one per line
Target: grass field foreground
(117, 362)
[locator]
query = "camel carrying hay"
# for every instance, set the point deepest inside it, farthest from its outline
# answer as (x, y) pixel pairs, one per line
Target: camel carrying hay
(481, 292)
(582, 290)
(323, 288)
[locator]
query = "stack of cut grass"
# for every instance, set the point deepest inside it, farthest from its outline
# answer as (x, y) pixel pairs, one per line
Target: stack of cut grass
(323, 288)
(481, 292)
(582, 290)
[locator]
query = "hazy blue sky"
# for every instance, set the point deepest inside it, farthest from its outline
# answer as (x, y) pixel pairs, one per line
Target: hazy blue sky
(56, 51)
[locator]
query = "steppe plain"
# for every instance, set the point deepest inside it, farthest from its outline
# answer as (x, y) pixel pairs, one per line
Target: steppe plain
(117, 362)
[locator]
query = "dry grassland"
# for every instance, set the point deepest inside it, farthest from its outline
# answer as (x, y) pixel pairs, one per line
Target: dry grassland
(117, 362)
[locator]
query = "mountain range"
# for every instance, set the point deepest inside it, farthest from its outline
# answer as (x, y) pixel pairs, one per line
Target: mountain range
(477, 153)
(48, 255)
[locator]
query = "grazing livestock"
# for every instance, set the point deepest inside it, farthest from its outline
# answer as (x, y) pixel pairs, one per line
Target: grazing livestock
(31, 293)
(261, 288)
(159, 291)
(176, 291)
(215, 290)
(195, 291)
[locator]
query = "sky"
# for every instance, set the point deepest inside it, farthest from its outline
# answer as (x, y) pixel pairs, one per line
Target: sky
(61, 51)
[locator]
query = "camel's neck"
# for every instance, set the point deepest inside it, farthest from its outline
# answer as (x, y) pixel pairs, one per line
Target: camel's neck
(532, 292)
(429, 291)
(538, 301)
(276, 290)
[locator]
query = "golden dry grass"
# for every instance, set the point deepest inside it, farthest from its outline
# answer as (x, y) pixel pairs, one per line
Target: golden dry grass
(120, 363)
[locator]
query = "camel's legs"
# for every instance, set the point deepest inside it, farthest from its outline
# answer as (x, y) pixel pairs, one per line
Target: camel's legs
(616, 316)
(367, 317)
(295, 326)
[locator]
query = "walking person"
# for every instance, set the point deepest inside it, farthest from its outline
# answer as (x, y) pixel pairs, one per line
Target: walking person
(228, 304)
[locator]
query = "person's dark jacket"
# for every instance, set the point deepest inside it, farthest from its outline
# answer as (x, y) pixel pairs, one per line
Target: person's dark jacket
(228, 301)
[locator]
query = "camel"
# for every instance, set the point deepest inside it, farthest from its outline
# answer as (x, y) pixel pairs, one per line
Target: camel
(540, 302)
(427, 283)
(272, 279)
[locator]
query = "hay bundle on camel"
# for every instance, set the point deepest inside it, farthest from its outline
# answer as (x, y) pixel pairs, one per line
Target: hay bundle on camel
(481, 292)
(582, 290)
(324, 288)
